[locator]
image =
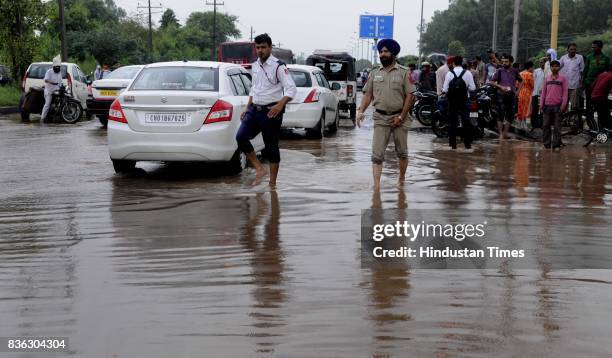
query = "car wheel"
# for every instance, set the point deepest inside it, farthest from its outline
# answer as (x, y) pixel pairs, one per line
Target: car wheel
(319, 130)
(103, 120)
(334, 127)
(238, 162)
(25, 116)
(123, 166)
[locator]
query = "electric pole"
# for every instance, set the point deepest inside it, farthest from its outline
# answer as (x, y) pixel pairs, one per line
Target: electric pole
(214, 36)
(63, 31)
(150, 39)
(515, 29)
(494, 42)
(421, 34)
(554, 28)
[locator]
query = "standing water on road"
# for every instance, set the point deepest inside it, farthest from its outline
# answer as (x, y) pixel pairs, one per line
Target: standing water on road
(180, 260)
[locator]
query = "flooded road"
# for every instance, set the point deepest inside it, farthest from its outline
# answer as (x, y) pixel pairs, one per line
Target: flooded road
(184, 261)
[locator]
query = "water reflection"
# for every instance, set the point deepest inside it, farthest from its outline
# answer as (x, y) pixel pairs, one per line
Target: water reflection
(260, 237)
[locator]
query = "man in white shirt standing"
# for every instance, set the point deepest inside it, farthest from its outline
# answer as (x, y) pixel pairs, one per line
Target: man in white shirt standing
(572, 66)
(53, 79)
(273, 87)
(538, 79)
(457, 85)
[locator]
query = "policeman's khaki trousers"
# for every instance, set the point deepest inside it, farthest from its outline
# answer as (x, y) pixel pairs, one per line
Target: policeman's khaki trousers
(382, 135)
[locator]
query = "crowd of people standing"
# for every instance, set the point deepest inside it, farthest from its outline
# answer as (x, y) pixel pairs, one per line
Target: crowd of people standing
(532, 96)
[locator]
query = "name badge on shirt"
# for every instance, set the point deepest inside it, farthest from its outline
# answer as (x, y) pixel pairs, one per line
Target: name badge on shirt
(379, 78)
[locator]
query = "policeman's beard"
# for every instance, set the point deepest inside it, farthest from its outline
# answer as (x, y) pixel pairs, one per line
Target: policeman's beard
(386, 61)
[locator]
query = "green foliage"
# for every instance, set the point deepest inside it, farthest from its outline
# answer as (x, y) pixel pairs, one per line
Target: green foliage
(99, 31)
(455, 48)
(471, 22)
(406, 60)
(18, 42)
(362, 64)
(9, 96)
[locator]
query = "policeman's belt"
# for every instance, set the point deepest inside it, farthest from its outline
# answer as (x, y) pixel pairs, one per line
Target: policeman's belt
(263, 107)
(388, 113)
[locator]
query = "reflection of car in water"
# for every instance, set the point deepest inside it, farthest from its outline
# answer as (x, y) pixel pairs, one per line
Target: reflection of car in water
(339, 67)
(243, 53)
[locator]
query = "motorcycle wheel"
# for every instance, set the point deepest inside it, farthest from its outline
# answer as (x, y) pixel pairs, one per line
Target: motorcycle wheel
(424, 114)
(71, 112)
(440, 126)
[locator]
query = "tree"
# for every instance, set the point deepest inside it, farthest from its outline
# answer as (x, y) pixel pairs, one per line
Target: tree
(471, 22)
(362, 64)
(455, 48)
(198, 28)
(168, 19)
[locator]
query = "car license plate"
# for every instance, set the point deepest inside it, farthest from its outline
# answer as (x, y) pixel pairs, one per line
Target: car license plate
(165, 118)
(473, 114)
(108, 93)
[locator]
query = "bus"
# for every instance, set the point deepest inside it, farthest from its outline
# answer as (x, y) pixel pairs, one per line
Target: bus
(244, 53)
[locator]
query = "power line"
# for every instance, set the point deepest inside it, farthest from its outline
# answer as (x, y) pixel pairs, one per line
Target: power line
(149, 7)
(214, 37)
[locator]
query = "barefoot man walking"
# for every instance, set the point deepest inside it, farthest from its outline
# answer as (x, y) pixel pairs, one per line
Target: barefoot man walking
(272, 89)
(390, 91)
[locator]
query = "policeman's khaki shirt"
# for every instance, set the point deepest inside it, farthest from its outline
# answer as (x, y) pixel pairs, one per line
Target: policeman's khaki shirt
(271, 82)
(389, 88)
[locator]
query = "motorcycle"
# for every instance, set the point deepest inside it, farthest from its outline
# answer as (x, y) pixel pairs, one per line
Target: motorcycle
(482, 113)
(424, 107)
(62, 104)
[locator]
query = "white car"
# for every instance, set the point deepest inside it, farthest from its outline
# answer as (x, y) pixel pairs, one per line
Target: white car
(315, 107)
(180, 111)
(104, 91)
(72, 77)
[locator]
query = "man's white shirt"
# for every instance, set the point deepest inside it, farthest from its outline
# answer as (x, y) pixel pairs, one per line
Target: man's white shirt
(572, 68)
(271, 82)
(52, 77)
(467, 78)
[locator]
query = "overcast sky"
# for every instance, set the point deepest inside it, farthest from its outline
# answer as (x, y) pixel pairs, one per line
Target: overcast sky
(304, 26)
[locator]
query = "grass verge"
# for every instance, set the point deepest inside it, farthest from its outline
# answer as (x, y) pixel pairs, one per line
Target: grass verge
(9, 96)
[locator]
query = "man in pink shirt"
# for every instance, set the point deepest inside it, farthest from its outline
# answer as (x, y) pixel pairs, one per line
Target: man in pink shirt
(554, 102)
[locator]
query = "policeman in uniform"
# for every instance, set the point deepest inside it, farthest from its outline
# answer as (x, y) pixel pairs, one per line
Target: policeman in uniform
(390, 91)
(273, 87)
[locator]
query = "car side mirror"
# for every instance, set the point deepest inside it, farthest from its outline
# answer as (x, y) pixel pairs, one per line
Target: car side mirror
(336, 86)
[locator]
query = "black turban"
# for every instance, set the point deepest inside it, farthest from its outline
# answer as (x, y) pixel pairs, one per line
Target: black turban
(390, 44)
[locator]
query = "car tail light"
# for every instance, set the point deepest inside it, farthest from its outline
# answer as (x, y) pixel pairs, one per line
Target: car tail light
(69, 80)
(474, 106)
(349, 91)
(312, 97)
(115, 113)
(221, 111)
(23, 81)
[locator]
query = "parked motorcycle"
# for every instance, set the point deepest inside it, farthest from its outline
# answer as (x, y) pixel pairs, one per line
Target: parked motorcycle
(424, 107)
(62, 105)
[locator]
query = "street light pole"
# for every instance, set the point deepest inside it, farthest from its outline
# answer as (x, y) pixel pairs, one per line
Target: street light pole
(421, 34)
(554, 28)
(494, 44)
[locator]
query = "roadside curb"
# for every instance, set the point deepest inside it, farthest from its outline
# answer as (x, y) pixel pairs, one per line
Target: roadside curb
(9, 110)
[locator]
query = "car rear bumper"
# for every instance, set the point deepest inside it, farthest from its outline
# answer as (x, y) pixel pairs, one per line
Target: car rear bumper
(212, 143)
(302, 115)
(98, 106)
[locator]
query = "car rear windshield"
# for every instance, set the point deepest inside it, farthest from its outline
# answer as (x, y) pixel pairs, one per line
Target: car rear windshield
(334, 71)
(37, 71)
(301, 78)
(123, 73)
(177, 79)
